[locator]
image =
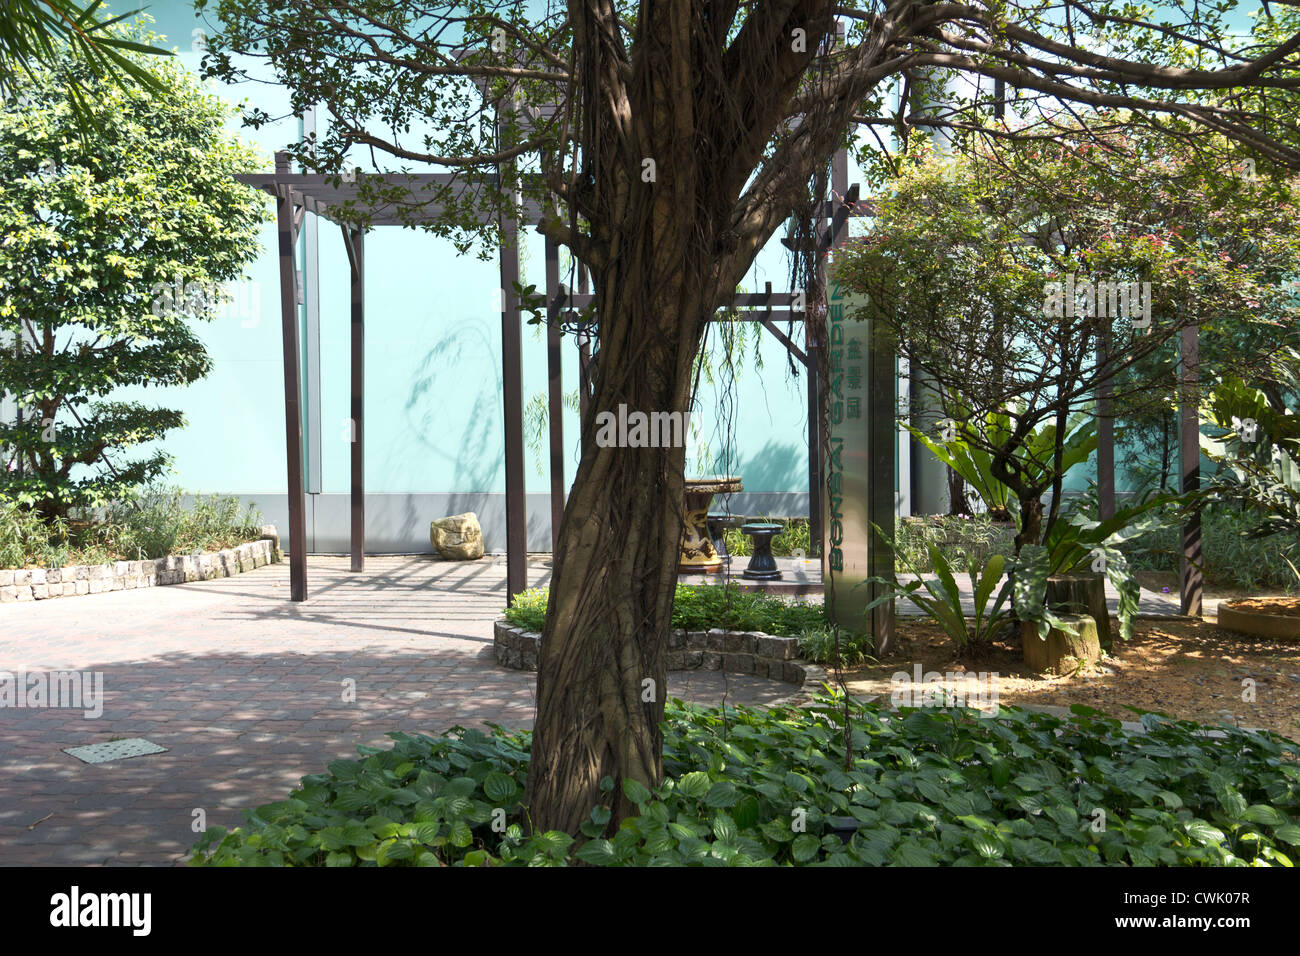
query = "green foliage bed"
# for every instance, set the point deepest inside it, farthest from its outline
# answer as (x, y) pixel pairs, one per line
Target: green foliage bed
(1231, 558)
(771, 788)
(698, 607)
(154, 524)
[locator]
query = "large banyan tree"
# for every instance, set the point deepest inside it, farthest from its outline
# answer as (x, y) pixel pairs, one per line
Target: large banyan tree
(671, 139)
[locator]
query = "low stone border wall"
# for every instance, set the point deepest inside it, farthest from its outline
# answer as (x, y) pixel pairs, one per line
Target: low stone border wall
(36, 584)
(736, 652)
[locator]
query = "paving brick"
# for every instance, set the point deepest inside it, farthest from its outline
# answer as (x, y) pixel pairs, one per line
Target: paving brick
(245, 691)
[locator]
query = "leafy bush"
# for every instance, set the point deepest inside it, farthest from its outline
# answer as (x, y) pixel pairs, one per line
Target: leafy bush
(157, 523)
(699, 607)
(528, 609)
(1230, 557)
(752, 787)
(973, 537)
(818, 644)
(968, 451)
(153, 525)
(793, 538)
(25, 539)
(943, 602)
(1077, 544)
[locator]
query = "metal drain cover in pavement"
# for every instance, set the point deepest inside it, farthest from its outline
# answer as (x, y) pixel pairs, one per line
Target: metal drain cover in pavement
(115, 750)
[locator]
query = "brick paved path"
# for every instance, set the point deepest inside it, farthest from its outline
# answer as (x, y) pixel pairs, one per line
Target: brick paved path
(245, 690)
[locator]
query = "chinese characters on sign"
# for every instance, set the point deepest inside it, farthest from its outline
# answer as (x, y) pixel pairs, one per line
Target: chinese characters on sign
(846, 524)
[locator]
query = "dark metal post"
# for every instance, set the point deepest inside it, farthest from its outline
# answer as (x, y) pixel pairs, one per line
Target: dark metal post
(882, 450)
(1105, 432)
(555, 390)
(358, 408)
(513, 401)
(292, 388)
(1190, 456)
(813, 350)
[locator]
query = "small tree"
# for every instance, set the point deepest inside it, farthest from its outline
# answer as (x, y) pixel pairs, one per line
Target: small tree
(1000, 272)
(113, 242)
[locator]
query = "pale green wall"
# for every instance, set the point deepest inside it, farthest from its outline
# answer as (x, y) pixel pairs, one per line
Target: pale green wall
(433, 370)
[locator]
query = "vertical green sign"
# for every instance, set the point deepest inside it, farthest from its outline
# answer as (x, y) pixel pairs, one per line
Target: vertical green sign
(846, 522)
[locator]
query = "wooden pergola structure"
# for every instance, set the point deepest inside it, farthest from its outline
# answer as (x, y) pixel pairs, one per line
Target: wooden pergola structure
(297, 194)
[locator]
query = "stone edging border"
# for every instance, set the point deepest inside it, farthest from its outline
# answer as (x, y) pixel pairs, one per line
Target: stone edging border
(736, 652)
(36, 584)
(1252, 623)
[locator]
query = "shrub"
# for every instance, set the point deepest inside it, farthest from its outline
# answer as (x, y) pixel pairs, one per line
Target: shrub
(698, 607)
(152, 525)
(941, 599)
(1231, 559)
(528, 609)
(157, 523)
(818, 644)
(932, 786)
(964, 539)
(26, 539)
(793, 537)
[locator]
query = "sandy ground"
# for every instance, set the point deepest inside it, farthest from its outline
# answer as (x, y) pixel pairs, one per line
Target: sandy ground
(1189, 669)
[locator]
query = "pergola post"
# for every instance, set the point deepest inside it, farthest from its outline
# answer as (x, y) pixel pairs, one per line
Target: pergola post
(512, 388)
(1105, 432)
(812, 348)
(355, 240)
(309, 288)
(555, 390)
(292, 386)
(1190, 577)
(882, 449)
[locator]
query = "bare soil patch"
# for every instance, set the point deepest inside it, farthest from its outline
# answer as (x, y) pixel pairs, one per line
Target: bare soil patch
(1188, 669)
(1281, 607)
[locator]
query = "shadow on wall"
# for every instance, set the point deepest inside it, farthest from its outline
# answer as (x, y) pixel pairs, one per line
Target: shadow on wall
(438, 387)
(440, 398)
(776, 467)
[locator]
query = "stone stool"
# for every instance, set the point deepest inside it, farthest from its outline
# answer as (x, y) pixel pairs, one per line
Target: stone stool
(762, 566)
(720, 522)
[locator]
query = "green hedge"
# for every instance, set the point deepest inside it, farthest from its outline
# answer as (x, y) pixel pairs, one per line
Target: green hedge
(1229, 558)
(773, 788)
(152, 525)
(699, 607)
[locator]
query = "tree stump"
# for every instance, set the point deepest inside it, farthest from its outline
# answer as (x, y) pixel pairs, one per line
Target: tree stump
(1081, 594)
(1046, 655)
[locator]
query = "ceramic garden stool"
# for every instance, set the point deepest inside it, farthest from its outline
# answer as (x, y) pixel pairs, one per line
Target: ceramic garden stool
(698, 555)
(720, 522)
(762, 566)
